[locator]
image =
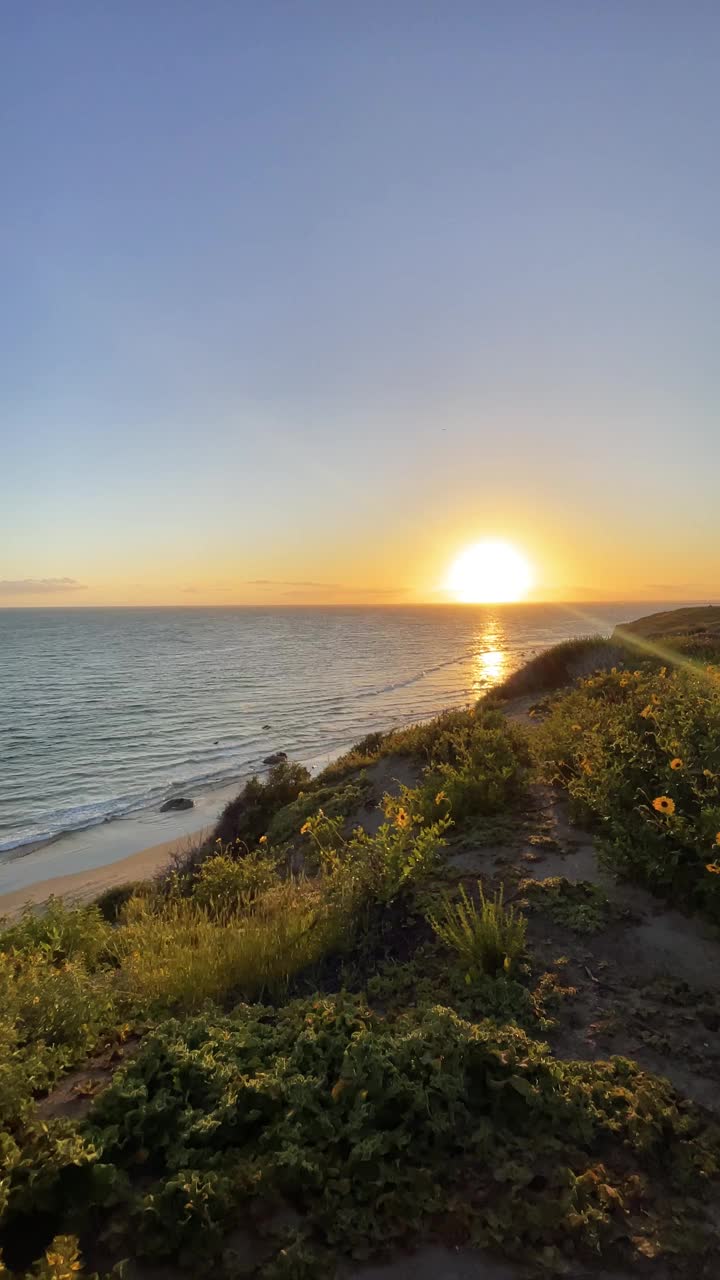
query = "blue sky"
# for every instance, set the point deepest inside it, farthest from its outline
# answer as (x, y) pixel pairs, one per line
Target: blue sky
(321, 292)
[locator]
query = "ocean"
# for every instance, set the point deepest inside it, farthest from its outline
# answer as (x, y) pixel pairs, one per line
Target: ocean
(106, 713)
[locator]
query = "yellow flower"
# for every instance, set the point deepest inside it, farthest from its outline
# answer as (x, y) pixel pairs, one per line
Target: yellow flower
(440, 797)
(713, 868)
(262, 840)
(304, 828)
(655, 700)
(646, 712)
(664, 804)
(717, 838)
(676, 763)
(577, 728)
(708, 773)
(586, 766)
(402, 818)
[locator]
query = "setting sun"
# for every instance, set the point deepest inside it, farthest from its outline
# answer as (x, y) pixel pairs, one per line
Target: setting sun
(489, 572)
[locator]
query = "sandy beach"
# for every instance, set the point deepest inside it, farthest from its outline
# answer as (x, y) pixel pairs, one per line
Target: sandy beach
(84, 886)
(81, 864)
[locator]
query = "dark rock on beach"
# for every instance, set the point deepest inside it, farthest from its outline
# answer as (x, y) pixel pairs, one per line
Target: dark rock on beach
(276, 758)
(177, 802)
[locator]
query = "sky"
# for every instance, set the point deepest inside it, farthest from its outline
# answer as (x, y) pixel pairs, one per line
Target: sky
(300, 299)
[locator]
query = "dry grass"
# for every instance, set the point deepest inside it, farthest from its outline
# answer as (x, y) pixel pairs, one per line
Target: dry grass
(559, 666)
(181, 955)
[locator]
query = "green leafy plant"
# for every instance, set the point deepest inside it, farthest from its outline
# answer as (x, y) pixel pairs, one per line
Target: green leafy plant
(477, 768)
(110, 904)
(337, 800)
(488, 941)
(227, 884)
(248, 816)
(640, 752)
(580, 906)
(378, 868)
(324, 1102)
(58, 932)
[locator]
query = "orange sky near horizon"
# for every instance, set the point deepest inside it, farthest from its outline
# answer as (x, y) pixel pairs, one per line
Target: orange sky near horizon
(411, 568)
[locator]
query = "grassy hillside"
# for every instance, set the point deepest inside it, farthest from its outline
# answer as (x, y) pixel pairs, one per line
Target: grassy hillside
(400, 1002)
(703, 619)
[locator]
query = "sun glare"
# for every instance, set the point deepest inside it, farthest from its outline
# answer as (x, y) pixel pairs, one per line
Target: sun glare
(489, 572)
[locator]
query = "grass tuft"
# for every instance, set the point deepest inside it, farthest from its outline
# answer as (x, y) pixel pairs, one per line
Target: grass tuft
(488, 941)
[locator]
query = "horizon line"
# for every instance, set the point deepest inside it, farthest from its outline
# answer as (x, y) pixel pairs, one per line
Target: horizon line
(390, 604)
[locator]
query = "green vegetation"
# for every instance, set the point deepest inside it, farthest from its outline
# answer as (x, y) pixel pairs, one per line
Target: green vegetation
(248, 816)
(427, 742)
(562, 664)
(334, 1035)
(580, 906)
(489, 941)
(640, 751)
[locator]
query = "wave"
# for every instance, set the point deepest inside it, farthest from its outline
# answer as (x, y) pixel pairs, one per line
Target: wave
(81, 817)
(414, 679)
(108, 733)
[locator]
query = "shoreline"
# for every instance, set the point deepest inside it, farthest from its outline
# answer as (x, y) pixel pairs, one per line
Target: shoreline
(74, 857)
(84, 886)
(82, 864)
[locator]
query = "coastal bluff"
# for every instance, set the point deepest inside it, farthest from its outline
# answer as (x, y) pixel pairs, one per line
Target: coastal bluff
(696, 621)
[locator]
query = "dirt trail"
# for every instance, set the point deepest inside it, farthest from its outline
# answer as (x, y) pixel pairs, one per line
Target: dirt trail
(647, 984)
(436, 1263)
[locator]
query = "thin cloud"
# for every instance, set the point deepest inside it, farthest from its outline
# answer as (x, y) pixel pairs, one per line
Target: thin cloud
(325, 586)
(354, 591)
(674, 586)
(273, 582)
(38, 586)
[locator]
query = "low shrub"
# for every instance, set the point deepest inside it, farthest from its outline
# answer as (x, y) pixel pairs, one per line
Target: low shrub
(110, 903)
(337, 800)
(580, 906)
(248, 816)
(379, 868)
(477, 768)
(58, 932)
(640, 750)
(420, 741)
(52, 1014)
(227, 884)
(488, 941)
(370, 1129)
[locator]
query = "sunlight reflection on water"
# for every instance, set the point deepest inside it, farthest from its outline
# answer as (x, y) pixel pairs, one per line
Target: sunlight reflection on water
(491, 655)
